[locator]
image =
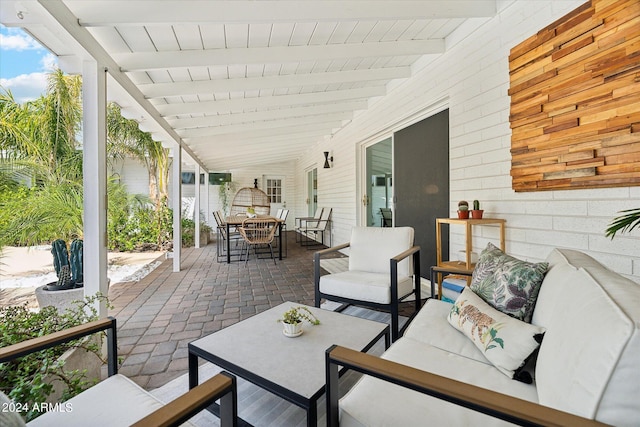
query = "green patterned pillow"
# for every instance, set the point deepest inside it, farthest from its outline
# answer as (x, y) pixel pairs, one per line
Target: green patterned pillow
(507, 283)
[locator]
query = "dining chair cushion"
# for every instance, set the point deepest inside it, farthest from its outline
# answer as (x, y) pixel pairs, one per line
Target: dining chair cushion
(364, 285)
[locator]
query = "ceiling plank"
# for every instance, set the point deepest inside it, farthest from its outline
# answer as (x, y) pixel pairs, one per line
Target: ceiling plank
(138, 12)
(160, 90)
(249, 133)
(226, 105)
(239, 141)
(136, 61)
(346, 108)
(329, 120)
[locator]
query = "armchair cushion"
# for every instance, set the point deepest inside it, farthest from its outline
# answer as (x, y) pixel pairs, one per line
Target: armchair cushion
(104, 401)
(506, 342)
(373, 247)
(364, 285)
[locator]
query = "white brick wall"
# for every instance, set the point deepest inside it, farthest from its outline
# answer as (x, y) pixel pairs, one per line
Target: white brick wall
(473, 77)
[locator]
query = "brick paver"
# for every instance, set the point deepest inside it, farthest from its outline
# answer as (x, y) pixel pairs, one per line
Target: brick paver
(159, 315)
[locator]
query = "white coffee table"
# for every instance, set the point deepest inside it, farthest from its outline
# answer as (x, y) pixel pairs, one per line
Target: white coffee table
(293, 368)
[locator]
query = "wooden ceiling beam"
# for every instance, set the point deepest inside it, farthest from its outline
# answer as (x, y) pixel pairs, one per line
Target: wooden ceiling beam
(137, 12)
(227, 105)
(147, 61)
(159, 90)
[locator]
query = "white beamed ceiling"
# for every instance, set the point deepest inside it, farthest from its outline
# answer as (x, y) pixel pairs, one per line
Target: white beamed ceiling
(239, 83)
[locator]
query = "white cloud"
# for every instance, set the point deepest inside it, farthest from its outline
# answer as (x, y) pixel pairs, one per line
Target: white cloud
(49, 62)
(26, 87)
(18, 42)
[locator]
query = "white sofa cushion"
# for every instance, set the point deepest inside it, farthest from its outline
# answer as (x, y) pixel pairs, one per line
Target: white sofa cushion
(505, 341)
(588, 360)
(396, 406)
(364, 286)
(116, 401)
(431, 326)
(371, 248)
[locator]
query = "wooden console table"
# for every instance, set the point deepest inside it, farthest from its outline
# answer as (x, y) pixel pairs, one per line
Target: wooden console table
(458, 267)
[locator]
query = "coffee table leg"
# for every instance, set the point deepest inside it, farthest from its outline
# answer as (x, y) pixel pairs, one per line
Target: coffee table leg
(193, 370)
(312, 415)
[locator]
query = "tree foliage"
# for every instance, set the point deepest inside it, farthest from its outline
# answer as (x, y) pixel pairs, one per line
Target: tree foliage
(41, 188)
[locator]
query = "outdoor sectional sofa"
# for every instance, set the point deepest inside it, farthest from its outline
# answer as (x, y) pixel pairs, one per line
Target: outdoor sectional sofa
(588, 363)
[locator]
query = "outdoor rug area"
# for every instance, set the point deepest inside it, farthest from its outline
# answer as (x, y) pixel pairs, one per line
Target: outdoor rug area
(262, 408)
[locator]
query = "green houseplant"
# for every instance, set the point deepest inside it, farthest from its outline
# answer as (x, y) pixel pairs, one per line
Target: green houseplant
(292, 320)
(463, 209)
(624, 223)
(476, 212)
(29, 380)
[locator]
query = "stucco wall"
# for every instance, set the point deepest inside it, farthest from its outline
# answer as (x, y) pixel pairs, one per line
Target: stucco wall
(472, 79)
(135, 177)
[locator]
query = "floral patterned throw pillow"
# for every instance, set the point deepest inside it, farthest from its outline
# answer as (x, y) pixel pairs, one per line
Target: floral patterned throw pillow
(506, 342)
(508, 284)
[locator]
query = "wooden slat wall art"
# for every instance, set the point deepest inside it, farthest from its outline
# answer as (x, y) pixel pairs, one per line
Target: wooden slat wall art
(575, 100)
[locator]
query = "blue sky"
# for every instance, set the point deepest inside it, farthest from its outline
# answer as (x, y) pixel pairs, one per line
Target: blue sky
(24, 64)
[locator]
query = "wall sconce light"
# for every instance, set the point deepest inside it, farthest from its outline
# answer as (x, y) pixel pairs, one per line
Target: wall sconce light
(327, 165)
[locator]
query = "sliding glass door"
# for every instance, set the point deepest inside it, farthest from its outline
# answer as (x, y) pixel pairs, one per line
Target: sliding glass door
(312, 191)
(378, 198)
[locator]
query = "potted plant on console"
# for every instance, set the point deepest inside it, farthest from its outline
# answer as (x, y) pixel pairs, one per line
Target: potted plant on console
(292, 320)
(463, 209)
(476, 213)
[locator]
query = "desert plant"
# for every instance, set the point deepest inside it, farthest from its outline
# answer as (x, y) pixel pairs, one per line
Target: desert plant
(476, 205)
(23, 379)
(68, 267)
(463, 205)
(298, 315)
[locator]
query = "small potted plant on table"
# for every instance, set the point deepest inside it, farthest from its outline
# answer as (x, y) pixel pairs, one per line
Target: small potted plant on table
(292, 320)
(476, 213)
(463, 209)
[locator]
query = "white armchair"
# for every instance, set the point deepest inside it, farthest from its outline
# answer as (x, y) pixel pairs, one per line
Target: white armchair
(381, 272)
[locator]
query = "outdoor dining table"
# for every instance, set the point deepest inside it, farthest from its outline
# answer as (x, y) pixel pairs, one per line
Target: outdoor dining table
(236, 221)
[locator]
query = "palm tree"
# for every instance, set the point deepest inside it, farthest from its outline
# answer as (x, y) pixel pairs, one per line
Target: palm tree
(126, 139)
(626, 222)
(40, 149)
(13, 126)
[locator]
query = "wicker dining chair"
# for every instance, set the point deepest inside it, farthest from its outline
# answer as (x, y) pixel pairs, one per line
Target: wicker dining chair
(257, 232)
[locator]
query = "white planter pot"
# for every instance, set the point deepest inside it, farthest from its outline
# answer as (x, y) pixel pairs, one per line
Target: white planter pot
(292, 330)
(59, 299)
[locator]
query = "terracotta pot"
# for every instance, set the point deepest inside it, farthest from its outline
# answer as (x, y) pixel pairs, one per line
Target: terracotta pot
(476, 213)
(463, 214)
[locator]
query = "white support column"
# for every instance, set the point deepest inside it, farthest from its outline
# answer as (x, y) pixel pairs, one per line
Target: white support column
(196, 209)
(176, 178)
(94, 137)
(205, 202)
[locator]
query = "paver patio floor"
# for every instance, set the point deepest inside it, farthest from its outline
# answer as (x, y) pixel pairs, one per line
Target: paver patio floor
(159, 315)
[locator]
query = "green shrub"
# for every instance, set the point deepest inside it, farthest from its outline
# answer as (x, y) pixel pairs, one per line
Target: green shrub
(22, 379)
